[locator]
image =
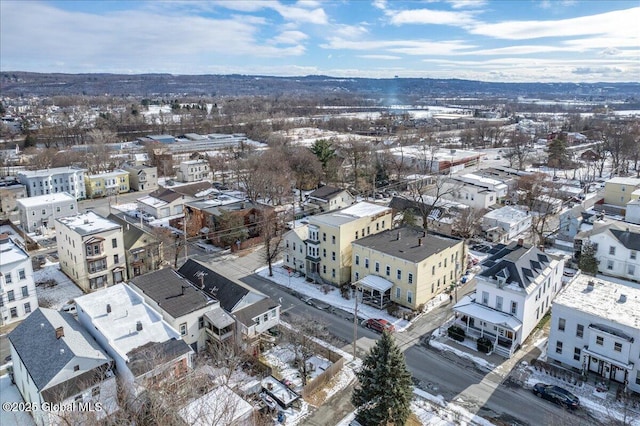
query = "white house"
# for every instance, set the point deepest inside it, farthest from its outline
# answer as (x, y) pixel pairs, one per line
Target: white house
(42, 211)
(142, 177)
(595, 327)
(471, 194)
(142, 344)
(56, 361)
(632, 213)
(50, 181)
(328, 198)
(91, 250)
(295, 249)
(491, 183)
(193, 171)
(17, 288)
(617, 248)
(511, 220)
(512, 294)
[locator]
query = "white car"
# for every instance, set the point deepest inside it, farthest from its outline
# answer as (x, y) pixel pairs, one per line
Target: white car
(147, 217)
(206, 247)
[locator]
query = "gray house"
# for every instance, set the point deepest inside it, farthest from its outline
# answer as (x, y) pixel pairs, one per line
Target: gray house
(143, 177)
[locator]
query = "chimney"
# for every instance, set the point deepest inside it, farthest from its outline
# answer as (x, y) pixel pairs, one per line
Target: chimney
(399, 235)
(4, 239)
(590, 285)
(108, 308)
(520, 242)
(59, 332)
(139, 326)
(623, 298)
(419, 241)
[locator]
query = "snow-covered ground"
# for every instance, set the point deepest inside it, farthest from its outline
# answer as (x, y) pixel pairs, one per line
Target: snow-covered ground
(9, 393)
(56, 296)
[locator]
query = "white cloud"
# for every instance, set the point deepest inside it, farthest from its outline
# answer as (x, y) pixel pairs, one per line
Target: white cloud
(432, 17)
(290, 37)
(518, 50)
(302, 15)
(381, 57)
(460, 4)
(408, 47)
(380, 4)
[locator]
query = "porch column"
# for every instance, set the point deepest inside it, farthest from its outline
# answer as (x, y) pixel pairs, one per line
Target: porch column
(467, 330)
(497, 337)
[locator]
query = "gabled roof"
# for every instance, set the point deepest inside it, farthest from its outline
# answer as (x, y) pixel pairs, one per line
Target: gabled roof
(145, 358)
(517, 264)
(326, 192)
(46, 356)
(227, 291)
(630, 240)
(171, 291)
(130, 232)
(246, 315)
(166, 195)
(192, 189)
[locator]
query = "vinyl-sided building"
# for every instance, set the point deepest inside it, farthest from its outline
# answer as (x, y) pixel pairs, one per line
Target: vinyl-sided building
(50, 181)
(42, 211)
(17, 288)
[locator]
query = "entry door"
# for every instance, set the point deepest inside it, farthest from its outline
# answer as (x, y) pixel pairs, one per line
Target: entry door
(595, 365)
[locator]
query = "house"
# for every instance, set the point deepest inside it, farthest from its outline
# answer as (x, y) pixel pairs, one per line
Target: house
(571, 220)
(10, 192)
(511, 220)
(49, 181)
(474, 195)
(632, 213)
(169, 202)
(294, 251)
(589, 155)
(512, 294)
(491, 183)
(17, 287)
(595, 327)
(545, 204)
(105, 184)
(142, 250)
(40, 212)
(91, 250)
(220, 406)
(253, 312)
(142, 177)
(328, 198)
(328, 243)
(618, 191)
(617, 248)
(442, 214)
(193, 171)
(144, 347)
(406, 266)
(181, 304)
(56, 361)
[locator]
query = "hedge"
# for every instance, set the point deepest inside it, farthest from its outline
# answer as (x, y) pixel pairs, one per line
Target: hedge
(484, 345)
(456, 333)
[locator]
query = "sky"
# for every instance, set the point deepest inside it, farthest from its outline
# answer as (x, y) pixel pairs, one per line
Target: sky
(507, 41)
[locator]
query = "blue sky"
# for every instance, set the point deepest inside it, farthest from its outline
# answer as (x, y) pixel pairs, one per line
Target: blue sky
(522, 40)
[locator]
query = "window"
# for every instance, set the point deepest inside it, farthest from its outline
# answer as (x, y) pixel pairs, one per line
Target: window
(333, 255)
(631, 269)
(366, 263)
(399, 274)
(324, 252)
(115, 259)
(576, 354)
(579, 330)
(200, 323)
(7, 278)
(383, 224)
(14, 312)
(409, 297)
(265, 317)
(76, 368)
(356, 235)
(612, 251)
(558, 347)
(333, 239)
(25, 291)
(357, 277)
(514, 308)
(44, 212)
(410, 278)
(22, 275)
(599, 340)
(58, 209)
(633, 255)
(357, 259)
(617, 347)
(377, 266)
(638, 378)
(287, 243)
(499, 303)
(324, 236)
(388, 270)
(117, 277)
(485, 298)
(183, 329)
(324, 269)
(27, 308)
(333, 273)
(609, 264)
(433, 270)
(561, 324)
(114, 243)
(398, 292)
(11, 296)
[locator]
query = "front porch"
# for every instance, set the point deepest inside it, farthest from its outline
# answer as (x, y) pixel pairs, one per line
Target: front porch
(375, 291)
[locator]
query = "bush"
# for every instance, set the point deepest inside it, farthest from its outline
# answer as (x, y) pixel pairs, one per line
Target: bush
(456, 333)
(393, 309)
(484, 345)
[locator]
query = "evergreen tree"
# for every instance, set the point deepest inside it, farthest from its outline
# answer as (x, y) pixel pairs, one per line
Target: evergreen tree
(558, 154)
(323, 149)
(588, 262)
(385, 391)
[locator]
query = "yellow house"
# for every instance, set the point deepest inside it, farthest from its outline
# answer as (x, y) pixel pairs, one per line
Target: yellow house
(618, 191)
(406, 266)
(104, 184)
(326, 254)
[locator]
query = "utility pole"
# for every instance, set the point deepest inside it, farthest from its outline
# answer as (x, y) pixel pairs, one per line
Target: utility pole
(355, 321)
(184, 228)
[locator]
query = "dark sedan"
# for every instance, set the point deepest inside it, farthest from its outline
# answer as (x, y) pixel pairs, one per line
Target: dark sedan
(557, 395)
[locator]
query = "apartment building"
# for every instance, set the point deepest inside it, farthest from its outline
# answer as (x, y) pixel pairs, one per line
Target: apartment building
(17, 287)
(328, 198)
(327, 252)
(91, 250)
(142, 250)
(41, 212)
(193, 171)
(405, 266)
(10, 192)
(508, 221)
(142, 177)
(618, 191)
(50, 181)
(109, 183)
(473, 194)
(595, 328)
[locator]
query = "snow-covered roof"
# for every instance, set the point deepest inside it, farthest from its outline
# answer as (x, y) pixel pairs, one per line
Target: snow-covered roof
(88, 223)
(603, 299)
(111, 174)
(57, 197)
(507, 214)
(474, 178)
(10, 252)
(377, 283)
(350, 214)
(624, 181)
(120, 325)
(220, 406)
(192, 162)
(152, 201)
(50, 172)
(468, 306)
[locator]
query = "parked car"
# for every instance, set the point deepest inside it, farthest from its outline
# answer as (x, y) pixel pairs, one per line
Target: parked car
(379, 325)
(557, 395)
(206, 247)
(147, 217)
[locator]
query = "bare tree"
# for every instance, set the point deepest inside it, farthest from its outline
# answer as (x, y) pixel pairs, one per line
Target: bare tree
(467, 223)
(427, 192)
(171, 245)
(302, 336)
(517, 151)
(306, 169)
(539, 195)
(272, 233)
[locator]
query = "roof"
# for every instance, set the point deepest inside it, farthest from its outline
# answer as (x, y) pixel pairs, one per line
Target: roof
(50, 172)
(468, 306)
(624, 181)
(171, 291)
(220, 406)
(228, 292)
(517, 264)
(10, 252)
(630, 240)
(377, 283)
(120, 325)
(88, 223)
(326, 192)
(113, 173)
(350, 214)
(145, 358)
(507, 214)
(131, 232)
(193, 189)
(246, 315)
(602, 300)
(626, 233)
(57, 197)
(164, 194)
(219, 318)
(408, 243)
(46, 356)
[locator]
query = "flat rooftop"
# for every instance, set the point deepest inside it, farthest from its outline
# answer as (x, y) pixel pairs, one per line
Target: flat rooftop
(58, 197)
(50, 172)
(114, 173)
(603, 300)
(351, 213)
(507, 214)
(10, 252)
(88, 223)
(624, 181)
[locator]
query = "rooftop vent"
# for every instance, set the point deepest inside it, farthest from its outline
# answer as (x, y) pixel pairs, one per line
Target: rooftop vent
(139, 326)
(108, 308)
(590, 285)
(59, 332)
(623, 298)
(4, 239)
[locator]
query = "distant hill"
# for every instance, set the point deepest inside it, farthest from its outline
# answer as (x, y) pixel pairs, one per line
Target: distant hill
(395, 90)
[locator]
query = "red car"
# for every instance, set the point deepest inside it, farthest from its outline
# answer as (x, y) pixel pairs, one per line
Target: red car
(379, 325)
